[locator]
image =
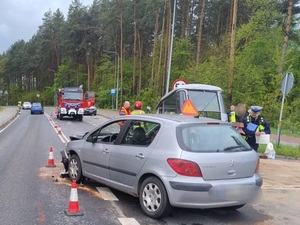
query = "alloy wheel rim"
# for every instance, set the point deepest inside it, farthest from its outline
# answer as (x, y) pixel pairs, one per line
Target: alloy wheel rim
(151, 197)
(73, 168)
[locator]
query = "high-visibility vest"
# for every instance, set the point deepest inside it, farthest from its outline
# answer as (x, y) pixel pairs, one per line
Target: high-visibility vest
(123, 111)
(137, 112)
(232, 117)
(260, 127)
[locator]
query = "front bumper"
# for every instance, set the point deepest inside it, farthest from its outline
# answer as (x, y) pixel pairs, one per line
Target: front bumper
(71, 111)
(197, 193)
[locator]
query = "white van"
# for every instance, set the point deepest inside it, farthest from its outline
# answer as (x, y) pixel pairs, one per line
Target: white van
(207, 99)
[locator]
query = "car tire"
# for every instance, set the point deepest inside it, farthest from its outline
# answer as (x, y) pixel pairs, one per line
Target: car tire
(60, 117)
(74, 168)
(154, 199)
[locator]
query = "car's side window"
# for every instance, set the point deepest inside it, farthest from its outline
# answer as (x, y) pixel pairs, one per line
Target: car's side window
(140, 133)
(108, 133)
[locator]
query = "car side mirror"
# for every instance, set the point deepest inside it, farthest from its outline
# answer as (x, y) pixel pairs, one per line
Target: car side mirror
(95, 139)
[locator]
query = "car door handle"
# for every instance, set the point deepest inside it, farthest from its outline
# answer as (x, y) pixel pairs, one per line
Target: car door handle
(105, 151)
(140, 156)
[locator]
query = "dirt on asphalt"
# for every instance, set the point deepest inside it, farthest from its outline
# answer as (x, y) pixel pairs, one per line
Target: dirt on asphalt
(281, 191)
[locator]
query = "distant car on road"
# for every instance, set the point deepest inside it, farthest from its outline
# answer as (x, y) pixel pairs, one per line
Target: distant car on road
(90, 111)
(37, 108)
(26, 105)
(168, 161)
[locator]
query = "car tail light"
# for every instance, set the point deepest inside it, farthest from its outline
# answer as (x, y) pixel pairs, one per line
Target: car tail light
(185, 167)
(257, 166)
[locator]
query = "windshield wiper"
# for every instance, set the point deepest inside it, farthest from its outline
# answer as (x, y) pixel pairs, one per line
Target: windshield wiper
(230, 148)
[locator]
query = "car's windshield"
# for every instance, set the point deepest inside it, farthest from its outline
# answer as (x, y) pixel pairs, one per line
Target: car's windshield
(36, 104)
(210, 138)
(72, 95)
(204, 100)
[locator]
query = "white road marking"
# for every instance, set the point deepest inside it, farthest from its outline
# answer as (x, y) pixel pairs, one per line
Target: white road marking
(64, 139)
(128, 221)
(106, 194)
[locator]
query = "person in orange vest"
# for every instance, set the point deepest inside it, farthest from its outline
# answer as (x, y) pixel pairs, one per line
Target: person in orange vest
(125, 110)
(138, 108)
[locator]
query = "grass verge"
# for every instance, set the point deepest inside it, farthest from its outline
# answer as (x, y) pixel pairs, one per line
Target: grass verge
(287, 132)
(284, 150)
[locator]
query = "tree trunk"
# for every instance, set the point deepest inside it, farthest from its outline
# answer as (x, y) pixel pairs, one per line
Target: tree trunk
(134, 54)
(141, 54)
(154, 50)
(121, 51)
(162, 36)
(218, 26)
(232, 48)
(286, 35)
(200, 25)
(229, 17)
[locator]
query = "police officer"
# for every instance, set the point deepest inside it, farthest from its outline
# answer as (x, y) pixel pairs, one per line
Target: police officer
(138, 108)
(125, 110)
(255, 125)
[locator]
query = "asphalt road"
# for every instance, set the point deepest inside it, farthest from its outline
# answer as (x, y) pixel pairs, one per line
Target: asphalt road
(31, 193)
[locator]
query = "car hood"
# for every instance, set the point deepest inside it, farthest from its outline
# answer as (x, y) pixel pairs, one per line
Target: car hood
(77, 136)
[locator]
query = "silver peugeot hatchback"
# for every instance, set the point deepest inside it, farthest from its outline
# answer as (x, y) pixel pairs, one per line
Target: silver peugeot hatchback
(168, 161)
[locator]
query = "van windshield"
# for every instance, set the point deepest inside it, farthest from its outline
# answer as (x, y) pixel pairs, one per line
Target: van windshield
(204, 100)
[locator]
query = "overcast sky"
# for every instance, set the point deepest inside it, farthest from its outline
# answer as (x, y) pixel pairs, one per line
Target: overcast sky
(19, 19)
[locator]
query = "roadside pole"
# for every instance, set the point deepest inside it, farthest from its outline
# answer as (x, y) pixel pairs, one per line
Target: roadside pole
(286, 86)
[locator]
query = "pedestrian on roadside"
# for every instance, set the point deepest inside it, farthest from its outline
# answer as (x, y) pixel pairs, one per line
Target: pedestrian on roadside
(255, 125)
(138, 108)
(125, 109)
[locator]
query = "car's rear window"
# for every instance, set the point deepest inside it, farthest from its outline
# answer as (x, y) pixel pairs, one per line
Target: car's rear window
(210, 138)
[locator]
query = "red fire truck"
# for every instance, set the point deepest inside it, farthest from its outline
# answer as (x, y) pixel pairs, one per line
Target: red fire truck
(70, 102)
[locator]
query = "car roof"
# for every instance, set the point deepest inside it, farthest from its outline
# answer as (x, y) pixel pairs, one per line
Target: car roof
(174, 118)
(204, 87)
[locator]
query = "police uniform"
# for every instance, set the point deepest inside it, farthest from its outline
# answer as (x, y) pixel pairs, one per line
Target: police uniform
(260, 125)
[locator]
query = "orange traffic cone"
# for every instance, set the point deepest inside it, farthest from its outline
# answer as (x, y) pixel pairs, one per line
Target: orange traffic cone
(59, 129)
(51, 159)
(55, 125)
(74, 209)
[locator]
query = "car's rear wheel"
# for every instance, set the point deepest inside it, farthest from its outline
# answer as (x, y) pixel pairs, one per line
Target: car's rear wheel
(153, 198)
(75, 170)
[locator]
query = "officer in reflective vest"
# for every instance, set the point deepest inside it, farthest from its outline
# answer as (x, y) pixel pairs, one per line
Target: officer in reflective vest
(124, 110)
(138, 108)
(231, 114)
(255, 125)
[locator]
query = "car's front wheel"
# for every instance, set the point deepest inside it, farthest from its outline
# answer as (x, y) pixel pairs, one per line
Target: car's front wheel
(153, 198)
(75, 170)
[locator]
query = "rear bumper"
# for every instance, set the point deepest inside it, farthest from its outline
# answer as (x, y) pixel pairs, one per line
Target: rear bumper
(188, 193)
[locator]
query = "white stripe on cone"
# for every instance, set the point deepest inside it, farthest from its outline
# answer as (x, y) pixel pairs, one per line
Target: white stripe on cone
(74, 195)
